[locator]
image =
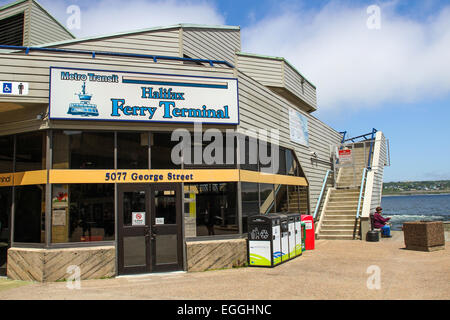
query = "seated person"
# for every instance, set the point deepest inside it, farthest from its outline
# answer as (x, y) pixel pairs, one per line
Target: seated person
(381, 223)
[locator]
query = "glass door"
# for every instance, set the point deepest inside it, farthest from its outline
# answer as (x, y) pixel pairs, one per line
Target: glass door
(150, 237)
(167, 251)
(134, 229)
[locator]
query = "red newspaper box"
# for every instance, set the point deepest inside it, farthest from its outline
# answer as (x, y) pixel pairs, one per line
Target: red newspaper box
(309, 227)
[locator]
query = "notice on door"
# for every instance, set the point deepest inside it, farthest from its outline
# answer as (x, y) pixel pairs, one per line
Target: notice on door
(138, 219)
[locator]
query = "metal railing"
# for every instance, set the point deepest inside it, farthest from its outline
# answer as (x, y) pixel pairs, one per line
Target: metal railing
(117, 54)
(366, 138)
(319, 200)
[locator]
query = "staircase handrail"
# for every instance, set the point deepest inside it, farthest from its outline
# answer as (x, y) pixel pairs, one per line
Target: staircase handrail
(364, 174)
(319, 200)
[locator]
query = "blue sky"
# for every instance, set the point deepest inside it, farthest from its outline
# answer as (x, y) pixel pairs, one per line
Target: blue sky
(395, 78)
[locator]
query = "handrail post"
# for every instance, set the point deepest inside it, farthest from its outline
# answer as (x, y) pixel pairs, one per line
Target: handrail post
(369, 164)
(360, 192)
(319, 200)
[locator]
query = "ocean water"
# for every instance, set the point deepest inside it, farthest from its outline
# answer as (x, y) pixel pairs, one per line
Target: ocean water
(416, 208)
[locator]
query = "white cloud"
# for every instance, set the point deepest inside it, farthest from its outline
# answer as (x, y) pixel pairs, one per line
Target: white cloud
(112, 16)
(352, 66)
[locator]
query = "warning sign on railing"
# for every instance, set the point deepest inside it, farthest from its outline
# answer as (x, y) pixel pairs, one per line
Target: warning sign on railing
(345, 156)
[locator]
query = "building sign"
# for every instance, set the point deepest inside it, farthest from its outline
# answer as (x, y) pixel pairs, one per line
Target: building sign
(138, 218)
(345, 156)
(14, 88)
(298, 127)
(119, 96)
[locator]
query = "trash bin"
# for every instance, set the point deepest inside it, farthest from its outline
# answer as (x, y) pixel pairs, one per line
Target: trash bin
(284, 222)
(264, 242)
(295, 235)
(309, 228)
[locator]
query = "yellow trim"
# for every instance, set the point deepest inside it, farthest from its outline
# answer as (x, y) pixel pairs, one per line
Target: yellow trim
(260, 177)
(145, 176)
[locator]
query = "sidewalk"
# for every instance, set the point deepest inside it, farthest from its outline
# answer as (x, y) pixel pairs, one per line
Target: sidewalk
(335, 270)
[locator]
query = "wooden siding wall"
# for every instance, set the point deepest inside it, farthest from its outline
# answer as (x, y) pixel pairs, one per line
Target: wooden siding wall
(378, 168)
(267, 71)
(161, 43)
(215, 44)
(260, 108)
(44, 29)
(292, 82)
(374, 184)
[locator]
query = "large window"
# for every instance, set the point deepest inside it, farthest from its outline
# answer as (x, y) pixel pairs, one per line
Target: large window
(266, 198)
(214, 207)
(132, 150)
(30, 151)
(83, 150)
(6, 154)
(250, 202)
(29, 216)
(82, 213)
(5, 231)
(161, 151)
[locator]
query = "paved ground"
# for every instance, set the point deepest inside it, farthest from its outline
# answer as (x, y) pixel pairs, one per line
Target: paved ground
(335, 270)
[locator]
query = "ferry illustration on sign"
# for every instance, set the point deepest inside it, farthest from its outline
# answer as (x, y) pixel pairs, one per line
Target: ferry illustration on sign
(84, 107)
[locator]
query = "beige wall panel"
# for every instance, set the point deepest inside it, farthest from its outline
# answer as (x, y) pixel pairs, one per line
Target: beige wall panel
(260, 108)
(216, 44)
(44, 29)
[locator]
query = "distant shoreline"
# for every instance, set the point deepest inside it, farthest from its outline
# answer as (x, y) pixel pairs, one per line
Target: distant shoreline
(446, 192)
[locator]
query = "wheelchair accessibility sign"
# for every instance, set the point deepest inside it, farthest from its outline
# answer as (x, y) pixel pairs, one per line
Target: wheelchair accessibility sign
(14, 88)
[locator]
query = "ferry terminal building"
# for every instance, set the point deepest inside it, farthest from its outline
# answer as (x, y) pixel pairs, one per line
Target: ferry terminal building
(87, 176)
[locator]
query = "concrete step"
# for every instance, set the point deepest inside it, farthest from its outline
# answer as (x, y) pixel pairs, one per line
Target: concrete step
(335, 237)
(340, 211)
(336, 232)
(328, 222)
(340, 216)
(338, 227)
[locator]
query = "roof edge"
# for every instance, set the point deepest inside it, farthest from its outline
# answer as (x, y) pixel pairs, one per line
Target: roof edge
(112, 35)
(276, 58)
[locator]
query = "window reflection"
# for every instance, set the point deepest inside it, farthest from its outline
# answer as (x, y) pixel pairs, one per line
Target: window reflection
(215, 208)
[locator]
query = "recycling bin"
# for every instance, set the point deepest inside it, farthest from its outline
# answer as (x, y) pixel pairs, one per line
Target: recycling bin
(295, 241)
(284, 222)
(309, 229)
(264, 241)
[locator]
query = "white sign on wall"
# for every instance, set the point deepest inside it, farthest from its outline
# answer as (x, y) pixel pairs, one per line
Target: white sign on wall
(79, 94)
(138, 218)
(14, 88)
(298, 127)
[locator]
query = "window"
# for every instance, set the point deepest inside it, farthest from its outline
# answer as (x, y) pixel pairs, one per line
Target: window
(30, 151)
(11, 30)
(5, 231)
(281, 196)
(6, 154)
(83, 150)
(83, 213)
(132, 150)
(250, 202)
(266, 196)
(161, 151)
(250, 162)
(29, 216)
(214, 207)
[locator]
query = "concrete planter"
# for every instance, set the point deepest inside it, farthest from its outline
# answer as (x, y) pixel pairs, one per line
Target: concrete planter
(424, 236)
